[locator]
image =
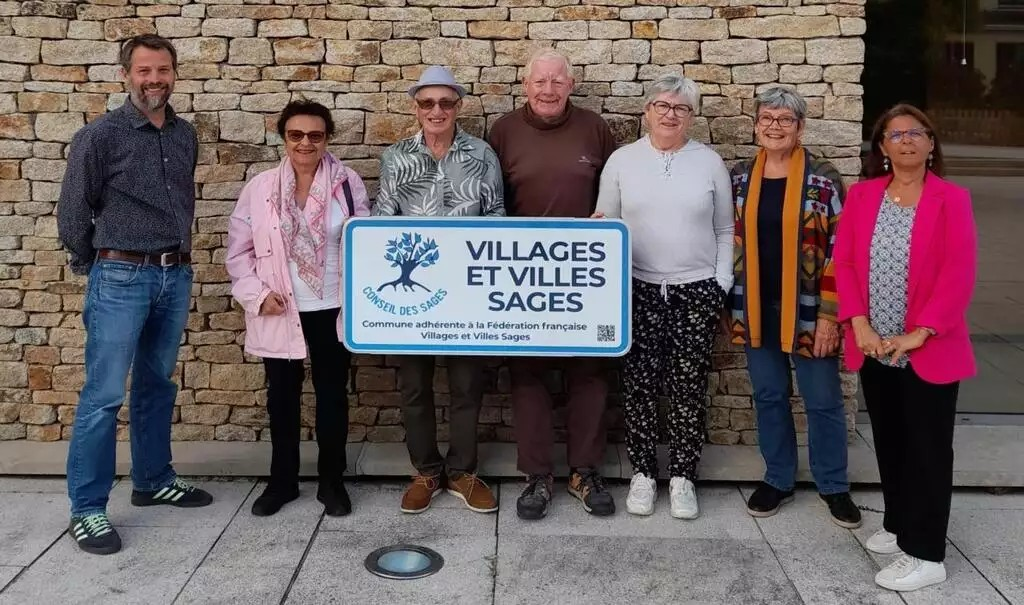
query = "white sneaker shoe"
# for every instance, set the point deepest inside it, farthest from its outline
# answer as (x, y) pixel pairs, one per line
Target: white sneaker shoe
(883, 543)
(643, 491)
(908, 573)
(683, 497)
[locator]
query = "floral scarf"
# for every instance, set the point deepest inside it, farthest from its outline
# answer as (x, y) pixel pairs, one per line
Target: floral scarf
(306, 240)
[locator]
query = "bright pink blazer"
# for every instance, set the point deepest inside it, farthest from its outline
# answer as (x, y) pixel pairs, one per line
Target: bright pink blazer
(943, 255)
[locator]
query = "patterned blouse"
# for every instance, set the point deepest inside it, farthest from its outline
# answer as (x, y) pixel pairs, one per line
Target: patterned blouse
(890, 264)
(465, 182)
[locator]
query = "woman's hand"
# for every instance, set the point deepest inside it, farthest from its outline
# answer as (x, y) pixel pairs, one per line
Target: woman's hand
(273, 304)
(898, 346)
(597, 215)
(868, 341)
(826, 337)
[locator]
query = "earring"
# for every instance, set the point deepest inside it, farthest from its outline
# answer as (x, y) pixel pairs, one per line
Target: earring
(931, 159)
(885, 164)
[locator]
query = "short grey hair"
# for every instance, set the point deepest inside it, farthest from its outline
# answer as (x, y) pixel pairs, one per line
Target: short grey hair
(780, 97)
(676, 85)
(545, 54)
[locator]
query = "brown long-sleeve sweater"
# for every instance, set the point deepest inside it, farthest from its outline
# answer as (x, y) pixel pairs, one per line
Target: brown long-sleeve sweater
(551, 168)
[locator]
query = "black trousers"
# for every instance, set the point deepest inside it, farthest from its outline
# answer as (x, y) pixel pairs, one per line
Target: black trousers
(465, 385)
(912, 421)
(329, 361)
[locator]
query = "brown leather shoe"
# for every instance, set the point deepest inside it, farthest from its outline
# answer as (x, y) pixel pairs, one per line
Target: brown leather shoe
(420, 493)
(474, 492)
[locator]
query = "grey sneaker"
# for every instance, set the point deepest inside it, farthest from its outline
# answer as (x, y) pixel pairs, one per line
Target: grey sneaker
(534, 501)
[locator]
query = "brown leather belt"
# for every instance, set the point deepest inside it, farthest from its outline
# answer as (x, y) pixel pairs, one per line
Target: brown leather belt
(165, 259)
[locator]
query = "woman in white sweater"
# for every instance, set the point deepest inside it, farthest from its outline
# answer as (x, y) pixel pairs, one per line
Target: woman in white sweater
(676, 197)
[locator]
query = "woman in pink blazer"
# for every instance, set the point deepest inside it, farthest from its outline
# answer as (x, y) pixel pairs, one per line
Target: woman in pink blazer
(905, 268)
(284, 259)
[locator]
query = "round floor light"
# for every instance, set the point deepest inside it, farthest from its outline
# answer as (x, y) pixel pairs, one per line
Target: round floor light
(404, 562)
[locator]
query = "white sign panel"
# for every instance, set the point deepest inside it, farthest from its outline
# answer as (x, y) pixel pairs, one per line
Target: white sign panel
(487, 286)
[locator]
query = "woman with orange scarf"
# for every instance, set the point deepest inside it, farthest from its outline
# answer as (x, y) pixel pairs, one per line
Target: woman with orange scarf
(783, 305)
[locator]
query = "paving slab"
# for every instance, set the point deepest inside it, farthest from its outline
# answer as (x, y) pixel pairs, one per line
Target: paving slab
(153, 566)
(722, 516)
(29, 524)
(227, 497)
(825, 562)
(34, 485)
(8, 573)
(375, 509)
(973, 499)
(256, 557)
(591, 569)
(988, 455)
(963, 582)
(992, 541)
(334, 572)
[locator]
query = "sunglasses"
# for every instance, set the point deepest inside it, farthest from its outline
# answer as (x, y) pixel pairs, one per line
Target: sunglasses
(444, 104)
(315, 137)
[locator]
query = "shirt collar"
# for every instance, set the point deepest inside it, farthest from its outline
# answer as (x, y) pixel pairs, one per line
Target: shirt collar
(461, 142)
(138, 119)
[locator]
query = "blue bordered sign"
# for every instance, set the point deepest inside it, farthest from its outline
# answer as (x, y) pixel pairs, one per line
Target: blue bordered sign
(487, 286)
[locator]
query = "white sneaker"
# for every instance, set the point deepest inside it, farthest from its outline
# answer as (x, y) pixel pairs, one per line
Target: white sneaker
(883, 543)
(683, 497)
(643, 491)
(908, 573)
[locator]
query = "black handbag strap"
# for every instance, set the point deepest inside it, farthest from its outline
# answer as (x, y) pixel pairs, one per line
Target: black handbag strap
(348, 198)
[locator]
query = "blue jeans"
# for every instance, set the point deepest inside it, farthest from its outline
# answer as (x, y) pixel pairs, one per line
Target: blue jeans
(820, 388)
(134, 317)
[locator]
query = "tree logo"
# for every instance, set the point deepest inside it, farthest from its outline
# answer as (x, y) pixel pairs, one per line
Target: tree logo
(408, 253)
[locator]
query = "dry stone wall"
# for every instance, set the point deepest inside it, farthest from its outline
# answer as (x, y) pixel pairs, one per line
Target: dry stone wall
(242, 61)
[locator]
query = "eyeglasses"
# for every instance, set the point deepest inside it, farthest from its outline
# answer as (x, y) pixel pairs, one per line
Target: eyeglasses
(914, 135)
(444, 104)
(766, 121)
(315, 137)
(681, 111)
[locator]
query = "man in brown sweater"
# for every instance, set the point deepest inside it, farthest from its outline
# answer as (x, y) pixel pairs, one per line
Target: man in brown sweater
(551, 156)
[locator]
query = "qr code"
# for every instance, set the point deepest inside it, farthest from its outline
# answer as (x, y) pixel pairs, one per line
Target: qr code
(606, 333)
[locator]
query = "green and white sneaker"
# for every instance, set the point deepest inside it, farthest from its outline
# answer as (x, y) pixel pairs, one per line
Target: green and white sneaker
(179, 494)
(94, 534)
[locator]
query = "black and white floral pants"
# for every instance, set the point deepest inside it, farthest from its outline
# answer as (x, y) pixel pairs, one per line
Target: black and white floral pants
(673, 334)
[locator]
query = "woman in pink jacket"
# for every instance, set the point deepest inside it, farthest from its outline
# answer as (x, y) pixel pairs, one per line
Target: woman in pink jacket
(284, 258)
(905, 267)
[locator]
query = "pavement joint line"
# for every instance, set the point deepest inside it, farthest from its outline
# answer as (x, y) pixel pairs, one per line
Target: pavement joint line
(980, 573)
(34, 561)
(302, 559)
(214, 545)
(778, 561)
(497, 539)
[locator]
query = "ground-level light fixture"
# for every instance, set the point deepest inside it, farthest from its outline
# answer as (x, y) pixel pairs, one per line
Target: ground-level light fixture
(404, 562)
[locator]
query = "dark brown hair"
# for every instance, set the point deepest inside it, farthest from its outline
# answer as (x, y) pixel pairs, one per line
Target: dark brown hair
(874, 164)
(304, 107)
(150, 41)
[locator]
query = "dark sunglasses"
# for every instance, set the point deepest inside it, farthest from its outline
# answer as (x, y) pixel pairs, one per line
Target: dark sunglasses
(315, 137)
(444, 104)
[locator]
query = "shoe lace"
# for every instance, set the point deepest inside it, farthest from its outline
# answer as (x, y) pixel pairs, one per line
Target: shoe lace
(537, 485)
(182, 485)
(472, 481)
(904, 564)
(592, 480)
(427, 481)
(97, 524)
(641, 485)
(682, 488)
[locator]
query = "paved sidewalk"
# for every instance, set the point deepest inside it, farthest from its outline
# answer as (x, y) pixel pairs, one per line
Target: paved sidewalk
(222, 554)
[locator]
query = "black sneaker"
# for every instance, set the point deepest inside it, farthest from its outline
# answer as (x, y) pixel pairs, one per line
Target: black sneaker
(179, 494)
(94, 534)
(334, 497)
(587, 485)
(767, 500)
(272, 499)
(843, 511)
(533, 502)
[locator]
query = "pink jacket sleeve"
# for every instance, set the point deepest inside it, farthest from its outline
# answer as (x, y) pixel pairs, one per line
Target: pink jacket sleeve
(360, 199)
(954, 288)
(246, 287)
(848, 286)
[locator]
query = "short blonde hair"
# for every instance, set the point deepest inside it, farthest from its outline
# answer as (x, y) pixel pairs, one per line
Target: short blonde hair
(544, 54)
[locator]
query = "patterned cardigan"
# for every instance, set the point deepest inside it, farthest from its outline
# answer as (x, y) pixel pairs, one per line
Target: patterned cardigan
(811, 289)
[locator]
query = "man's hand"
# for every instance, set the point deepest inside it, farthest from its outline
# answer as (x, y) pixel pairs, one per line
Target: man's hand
(273, 304)
(826, 337)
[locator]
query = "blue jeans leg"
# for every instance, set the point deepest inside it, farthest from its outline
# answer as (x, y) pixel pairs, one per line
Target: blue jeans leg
(153, 391)
(776, 435)
(117, 303)
(826, 421)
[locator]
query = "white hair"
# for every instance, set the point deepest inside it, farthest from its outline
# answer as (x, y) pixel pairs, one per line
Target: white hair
(546, 54)
(781, 97)
(676, 85)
